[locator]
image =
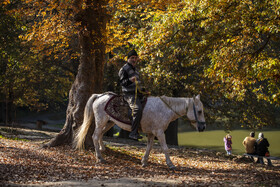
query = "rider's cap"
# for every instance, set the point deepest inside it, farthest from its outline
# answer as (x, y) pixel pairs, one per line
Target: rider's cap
(132, 53)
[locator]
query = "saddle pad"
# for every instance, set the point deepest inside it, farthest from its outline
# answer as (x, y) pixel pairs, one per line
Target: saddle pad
(118, 109)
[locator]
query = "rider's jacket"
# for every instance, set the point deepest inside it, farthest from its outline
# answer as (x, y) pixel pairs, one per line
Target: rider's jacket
(126, 72)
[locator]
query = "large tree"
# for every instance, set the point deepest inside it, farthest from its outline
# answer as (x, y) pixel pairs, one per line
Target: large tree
(91, 18)
(52, 27)
(54, 24)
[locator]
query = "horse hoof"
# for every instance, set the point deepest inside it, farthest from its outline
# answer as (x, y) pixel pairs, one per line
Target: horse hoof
(144, 165)
(172, 167)
(101, 161)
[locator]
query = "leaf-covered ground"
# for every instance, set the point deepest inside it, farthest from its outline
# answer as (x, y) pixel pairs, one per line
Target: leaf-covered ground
(25, 162)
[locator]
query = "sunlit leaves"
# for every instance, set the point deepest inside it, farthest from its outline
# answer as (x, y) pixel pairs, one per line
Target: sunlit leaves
(232, 35)
(27, 78)
(224, 49)
(48, 31)
(247, 47)
(227, 50)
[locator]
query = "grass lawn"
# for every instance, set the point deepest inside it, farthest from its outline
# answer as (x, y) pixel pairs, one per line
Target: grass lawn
(214, 140)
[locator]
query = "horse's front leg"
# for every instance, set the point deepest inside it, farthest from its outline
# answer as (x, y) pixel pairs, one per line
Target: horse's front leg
(148, 149)
(97, 135)
(161, 137)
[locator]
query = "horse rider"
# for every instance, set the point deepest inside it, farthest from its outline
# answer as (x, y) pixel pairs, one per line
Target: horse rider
(130, 81)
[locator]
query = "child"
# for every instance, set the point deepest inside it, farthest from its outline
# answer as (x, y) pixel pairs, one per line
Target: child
(228, 143)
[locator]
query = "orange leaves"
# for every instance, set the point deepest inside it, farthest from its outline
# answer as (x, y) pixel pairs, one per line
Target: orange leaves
(49, 31)
(225, 39)
(5, 2)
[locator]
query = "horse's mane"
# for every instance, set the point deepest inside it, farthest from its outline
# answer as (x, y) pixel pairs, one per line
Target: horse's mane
(176, 103)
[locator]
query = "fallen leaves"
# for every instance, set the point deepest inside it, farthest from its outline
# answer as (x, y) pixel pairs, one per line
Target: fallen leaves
(26, 163)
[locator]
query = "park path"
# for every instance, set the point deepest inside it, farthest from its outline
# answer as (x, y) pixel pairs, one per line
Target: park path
(121, 182)
(24, 163)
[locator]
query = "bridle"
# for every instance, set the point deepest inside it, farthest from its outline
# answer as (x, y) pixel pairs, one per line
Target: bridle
(196, 118)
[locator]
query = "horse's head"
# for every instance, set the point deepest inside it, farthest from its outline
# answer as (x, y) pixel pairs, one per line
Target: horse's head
(196, 115)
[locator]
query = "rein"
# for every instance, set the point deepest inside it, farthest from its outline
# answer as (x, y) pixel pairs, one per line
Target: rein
(169, 107)
(140, 91)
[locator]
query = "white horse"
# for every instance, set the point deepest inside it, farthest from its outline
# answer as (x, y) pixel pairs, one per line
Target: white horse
(157, 114)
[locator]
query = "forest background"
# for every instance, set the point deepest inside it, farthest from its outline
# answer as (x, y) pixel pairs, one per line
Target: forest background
(227, 51)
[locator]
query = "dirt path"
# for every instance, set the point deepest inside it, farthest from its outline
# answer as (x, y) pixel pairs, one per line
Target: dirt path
(121, 182)
(25, 163)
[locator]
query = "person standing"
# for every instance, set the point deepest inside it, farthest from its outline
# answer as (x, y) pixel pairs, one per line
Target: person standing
(262, 149)
(130, 81)
(228, 142)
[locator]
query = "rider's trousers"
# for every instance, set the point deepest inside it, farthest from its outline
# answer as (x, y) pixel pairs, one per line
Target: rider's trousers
(136, 108)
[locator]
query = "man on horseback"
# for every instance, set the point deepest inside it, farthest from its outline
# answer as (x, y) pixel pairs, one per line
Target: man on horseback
(130, 79)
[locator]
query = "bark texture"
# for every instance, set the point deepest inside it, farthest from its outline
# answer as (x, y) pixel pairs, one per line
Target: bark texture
(89, 78)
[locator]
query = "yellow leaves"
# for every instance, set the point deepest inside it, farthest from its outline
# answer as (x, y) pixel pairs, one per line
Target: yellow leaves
(50, 27)
(5, 2)
(276, 97)
(231, 40)
(50, 32)
(43, 13)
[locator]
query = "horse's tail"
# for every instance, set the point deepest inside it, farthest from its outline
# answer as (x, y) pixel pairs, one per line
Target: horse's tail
(88, 121)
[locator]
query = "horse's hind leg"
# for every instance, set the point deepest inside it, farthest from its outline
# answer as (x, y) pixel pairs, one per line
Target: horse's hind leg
(161, 137)
(108, 126)
(148, 149)
(96, 138)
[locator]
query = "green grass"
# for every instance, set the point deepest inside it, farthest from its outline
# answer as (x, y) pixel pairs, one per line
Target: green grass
(13, 138)
(214, 140)
(57, 125)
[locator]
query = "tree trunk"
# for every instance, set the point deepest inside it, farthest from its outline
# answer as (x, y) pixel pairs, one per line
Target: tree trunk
(124, 134)
(110, 133)
(2, 110)
(89, 78)
(171, 133)
(9, 107)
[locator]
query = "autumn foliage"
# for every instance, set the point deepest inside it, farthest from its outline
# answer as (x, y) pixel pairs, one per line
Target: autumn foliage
(226, 50)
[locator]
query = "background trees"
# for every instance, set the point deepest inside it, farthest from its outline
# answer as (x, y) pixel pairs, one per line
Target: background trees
(226, 50)
(27, 77)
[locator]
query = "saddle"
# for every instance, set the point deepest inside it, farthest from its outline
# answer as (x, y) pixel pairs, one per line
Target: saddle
(118, 109)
